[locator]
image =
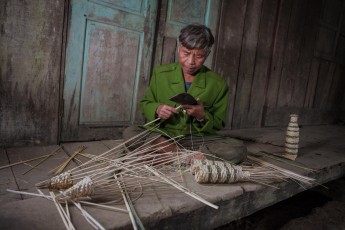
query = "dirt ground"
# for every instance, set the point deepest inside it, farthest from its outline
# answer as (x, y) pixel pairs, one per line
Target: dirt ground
(320, 208)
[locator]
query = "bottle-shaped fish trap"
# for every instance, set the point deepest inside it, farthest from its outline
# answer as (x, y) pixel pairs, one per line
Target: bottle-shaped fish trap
(292, 137)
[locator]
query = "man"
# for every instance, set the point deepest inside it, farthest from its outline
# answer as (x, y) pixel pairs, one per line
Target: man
(198, 123)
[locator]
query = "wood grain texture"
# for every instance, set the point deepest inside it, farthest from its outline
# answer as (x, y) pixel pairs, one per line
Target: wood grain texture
(336, 92)
(170, 49)
(247, 63)
(310, 30)
(262, 63)
(323, 87)
(30, 55)
(280, 37)
(292, 53)
(312, 82)
(228, 53)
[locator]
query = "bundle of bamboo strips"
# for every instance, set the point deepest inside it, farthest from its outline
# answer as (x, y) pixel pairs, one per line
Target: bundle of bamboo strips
(95, 177)
(253, 169)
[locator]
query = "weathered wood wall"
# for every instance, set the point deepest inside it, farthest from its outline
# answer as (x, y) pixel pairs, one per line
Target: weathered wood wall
(278, 56)
(30, 55)
(273, 54)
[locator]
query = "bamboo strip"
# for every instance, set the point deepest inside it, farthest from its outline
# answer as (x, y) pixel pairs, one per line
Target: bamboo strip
(285, 172)
(138, 221)
(61, 167)
(104, 206)
(41, 161)
(27, 193)
(157, 119)
(127, 205)
(67, 222)
(88, 217)
(23, 162)
(180, 187)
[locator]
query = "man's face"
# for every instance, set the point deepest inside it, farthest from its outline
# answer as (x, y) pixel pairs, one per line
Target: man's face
(191, 60)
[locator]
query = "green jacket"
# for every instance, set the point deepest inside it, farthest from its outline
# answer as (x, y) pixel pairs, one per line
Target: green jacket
(167, 81)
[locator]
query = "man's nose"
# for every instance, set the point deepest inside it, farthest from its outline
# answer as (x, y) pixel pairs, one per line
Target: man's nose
(191, 59)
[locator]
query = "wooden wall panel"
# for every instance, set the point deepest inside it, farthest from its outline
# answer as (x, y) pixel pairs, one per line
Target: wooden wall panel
(324, 83)
(336, 93)
(312, 82)
(310, 30)
(262, 63)
(169, 46)
(229, 47)
(247, 63)
(30, 58)
(108, 57)
(280, 36)
(292, 52)
(111, 56)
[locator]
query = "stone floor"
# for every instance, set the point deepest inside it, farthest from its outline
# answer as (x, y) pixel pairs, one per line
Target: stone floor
(321, 148)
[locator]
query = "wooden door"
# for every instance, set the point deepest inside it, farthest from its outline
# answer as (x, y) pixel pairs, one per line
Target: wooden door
(176, 14)
(108, 56)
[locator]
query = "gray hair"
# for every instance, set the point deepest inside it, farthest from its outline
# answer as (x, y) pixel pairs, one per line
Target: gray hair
(196, 36)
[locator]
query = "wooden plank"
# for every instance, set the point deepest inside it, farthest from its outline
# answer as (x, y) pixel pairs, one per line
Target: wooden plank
(292, 52)
(99, 34)
(262, 63)
(279, 116)
(324, 83)
(278, 53)
(309, 35)
(312, 82)
(247, 63)
(30, 71)
(169, 47)
(337, 90)
(163, 10)
(229, 40)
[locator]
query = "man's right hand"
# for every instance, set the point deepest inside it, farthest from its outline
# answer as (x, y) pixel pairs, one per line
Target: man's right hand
(165, 111)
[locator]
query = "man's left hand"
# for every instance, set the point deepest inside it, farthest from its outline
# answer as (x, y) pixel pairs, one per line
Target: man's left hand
(196, 111)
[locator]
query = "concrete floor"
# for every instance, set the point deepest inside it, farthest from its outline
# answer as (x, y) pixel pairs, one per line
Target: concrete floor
(321, 148)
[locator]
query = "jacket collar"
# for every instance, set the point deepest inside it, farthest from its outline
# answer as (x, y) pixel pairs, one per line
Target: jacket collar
(178, 82)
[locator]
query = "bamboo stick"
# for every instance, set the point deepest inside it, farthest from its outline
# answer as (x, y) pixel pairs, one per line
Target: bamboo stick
(104, 206)
(61, 167)
(41, 161)
(157, 119)
(88, 217)
(65, 219)
(138, 221)
(23, 162)
(127, 205)
(180, 187)
(27, 193)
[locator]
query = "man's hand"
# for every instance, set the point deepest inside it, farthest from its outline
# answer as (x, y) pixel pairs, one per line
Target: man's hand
(165, 111)
(196, 111)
